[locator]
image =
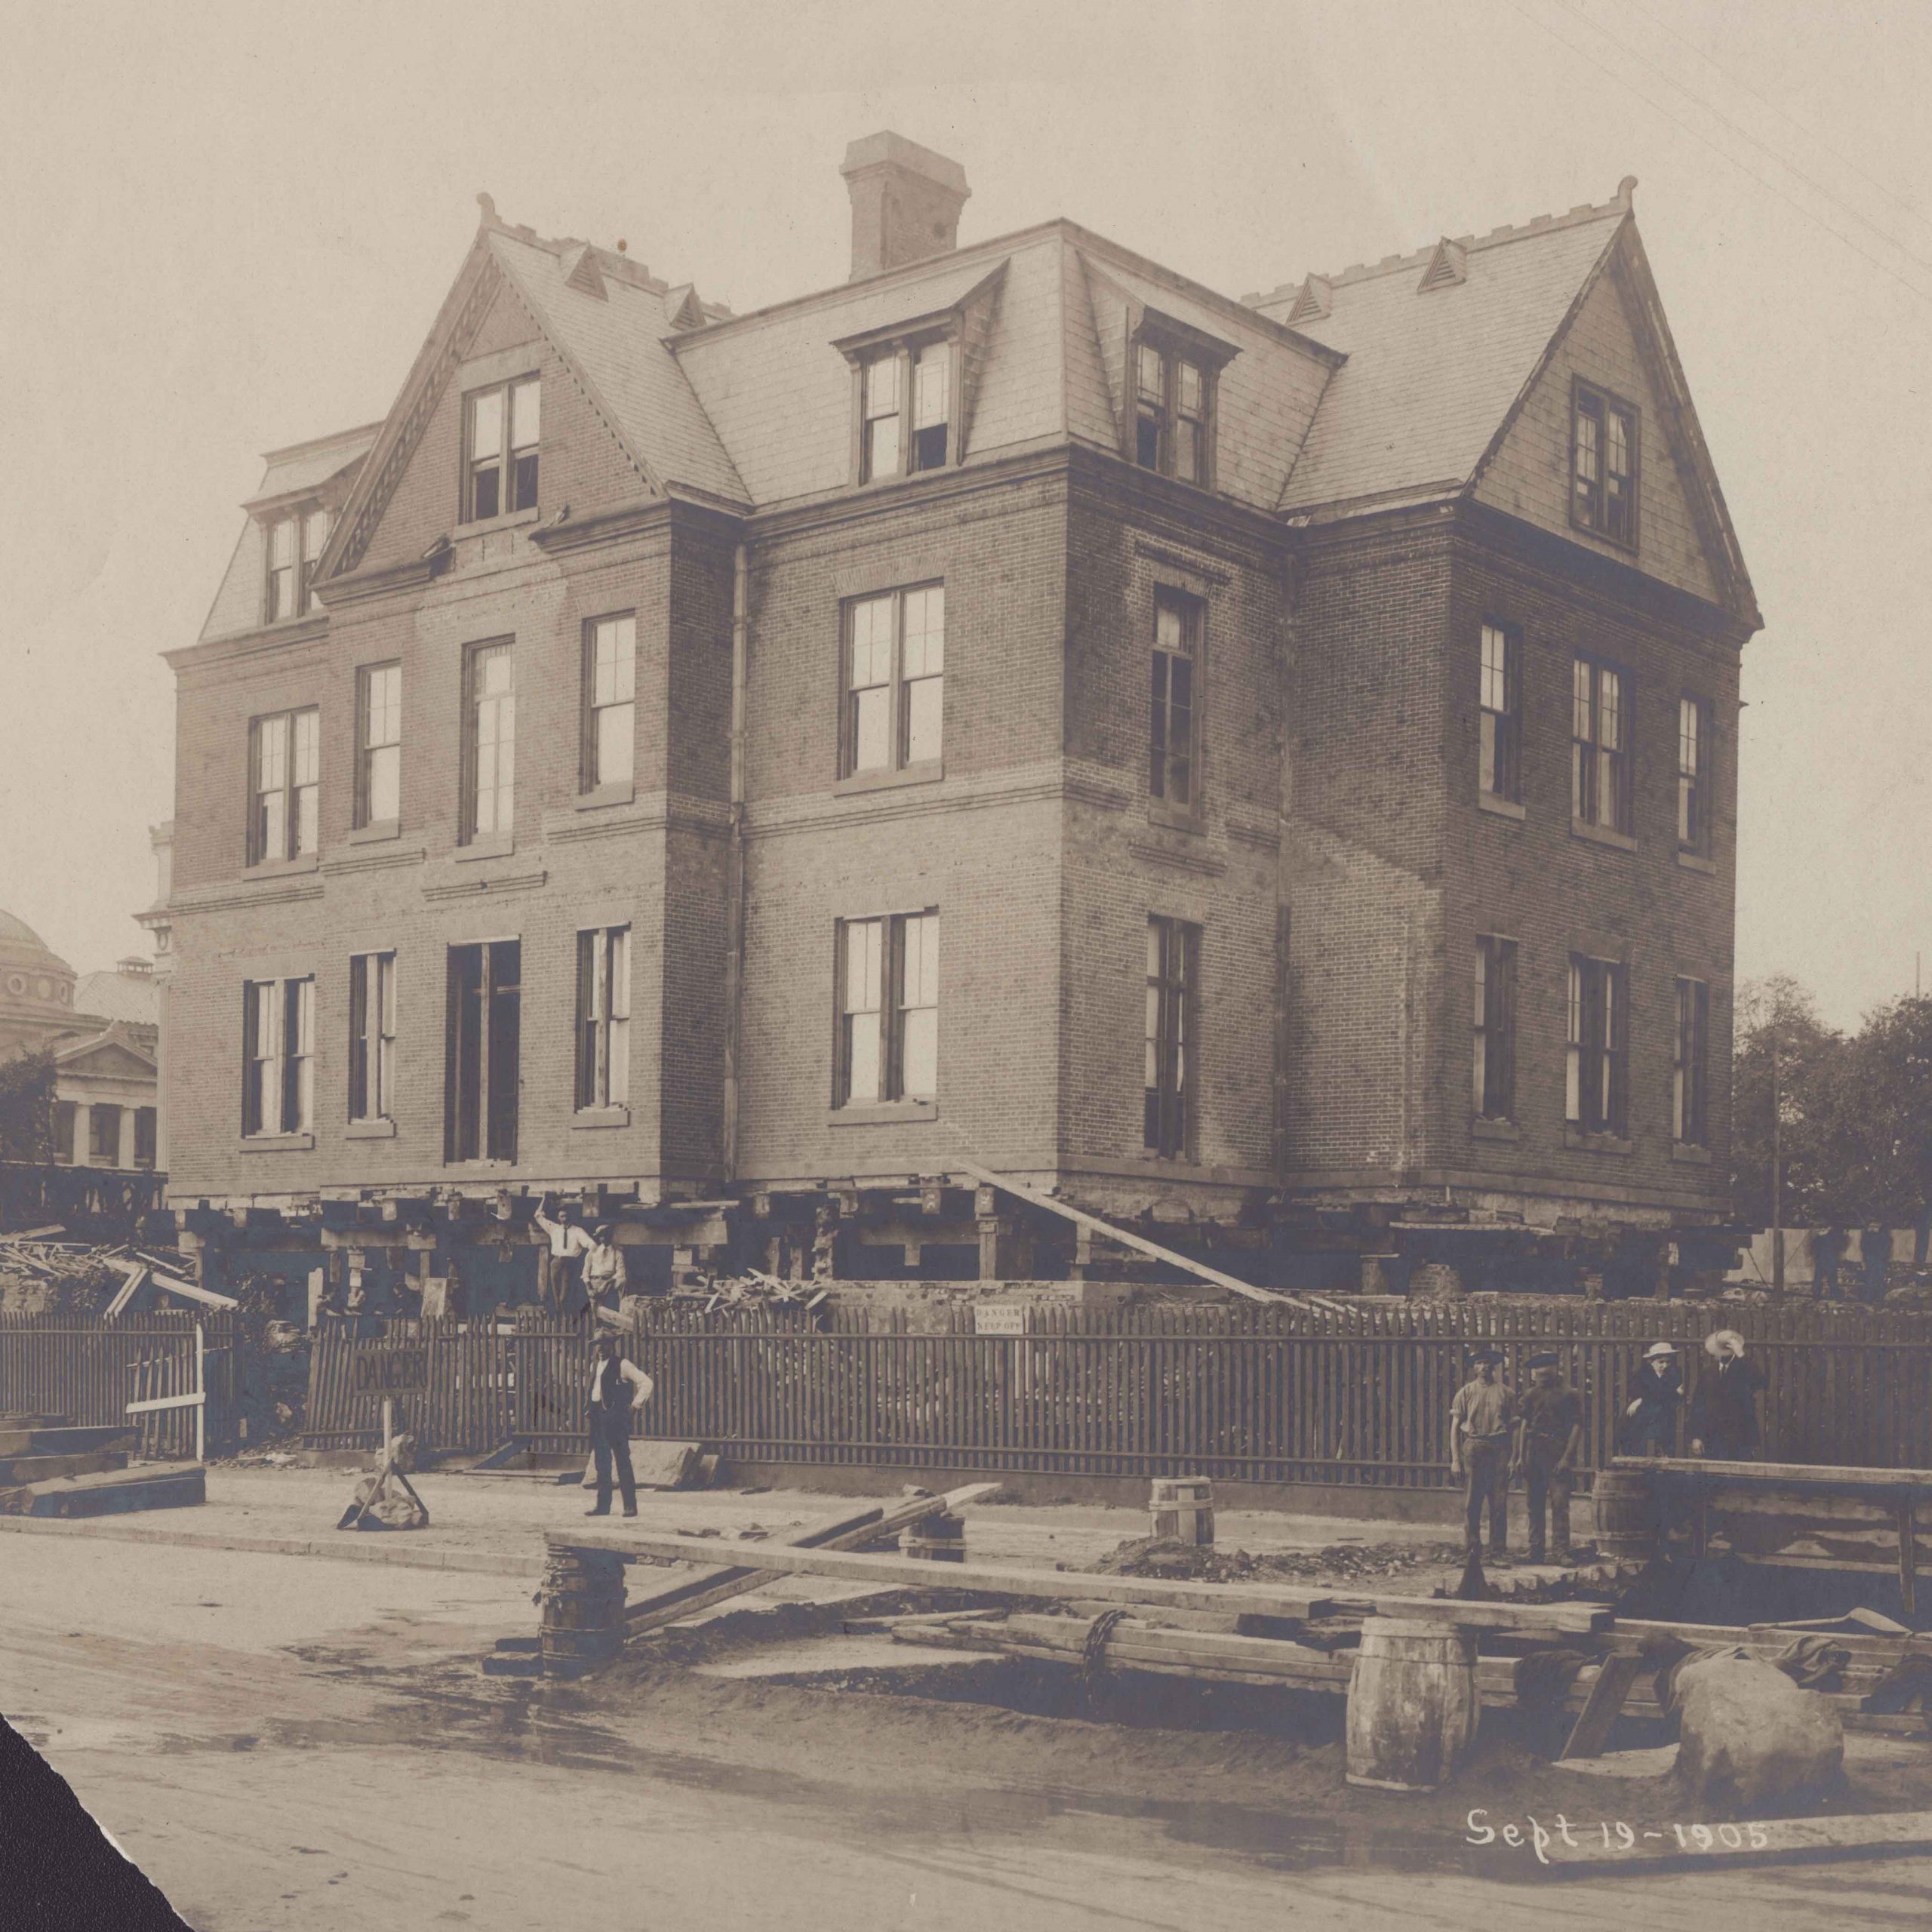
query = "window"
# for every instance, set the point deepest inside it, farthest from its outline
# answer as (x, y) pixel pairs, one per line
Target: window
(482, 1049)
(882, 430)
(103, 1136)
(278, 1049)
(1694, 768)
(282, 569)
(284, 757)
(895, 680)
(296, 543)
(315, 540)
(1495, 1023)
(379, 745)
(1595, 1098)
(146, 1139)
(503, 429)
(1500, 753)
(1173, 956)
(1173, 392)
(63, 1134)
(604, 1016)
(1600, 758)
(490, 744)
(1689, 1094)
(372, 1036)
(609, 691)
(888, 1047)
(932, 407)
(1171, 728)
(1604, 465)
(905, 398)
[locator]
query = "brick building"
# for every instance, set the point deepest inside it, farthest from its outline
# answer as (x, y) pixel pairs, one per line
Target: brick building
(1264, 769)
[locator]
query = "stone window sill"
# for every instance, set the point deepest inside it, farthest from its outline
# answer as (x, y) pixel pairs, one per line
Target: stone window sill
(1509, 808)
(277, 1143)
(928, 771)
(509, 520)
(1177, 818)
(881, 1113)
(1601, 834)
(623, 793)
(1596, 1143)
(305, 862)
(491, 845)
(376, 832)
(595, 1117)
(1483, 1129)
(1692, 1156)
(1696, 862)
(370, 1129)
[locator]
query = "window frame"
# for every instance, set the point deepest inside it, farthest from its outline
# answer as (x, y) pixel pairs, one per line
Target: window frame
(603, 970)
(1591, 510)
(366, 749)
(294, 822)
(1170, 1036)
(1162, 759)
(906, 353)
(1494, 1028)
(1695, 776)
(1597, 1070)
(898, 687)
(98, 1112)
(509, 455)
(1588, 754)
(891, 1015)
(1690, 1064)
(372, 1047)
(591, 777)
(281, 1067)
(1499, 743)
(147, 1138)
(1173, 347)
(469, 830)
(478, 1066)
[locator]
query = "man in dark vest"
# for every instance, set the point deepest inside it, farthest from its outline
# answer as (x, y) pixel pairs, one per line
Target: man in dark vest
(1724, 1407)
(1550, 1434)
(618, 1389)
(1480, 1421)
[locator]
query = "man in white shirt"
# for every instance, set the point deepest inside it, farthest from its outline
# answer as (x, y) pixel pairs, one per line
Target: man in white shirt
(605, 1278)
(569, 1243)
(618, 1389)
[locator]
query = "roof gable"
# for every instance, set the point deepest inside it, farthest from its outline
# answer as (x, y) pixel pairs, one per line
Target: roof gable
(113, 1055)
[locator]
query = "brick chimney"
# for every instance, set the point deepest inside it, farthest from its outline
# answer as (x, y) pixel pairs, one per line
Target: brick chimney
(905, 203)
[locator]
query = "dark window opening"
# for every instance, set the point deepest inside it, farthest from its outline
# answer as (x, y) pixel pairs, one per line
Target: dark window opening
(484, 1022)
(1172, 701)
(1689, 1087)
(1604, 465)
(1595, 1085)
(1172, 397)
(63, 1134)
(932, 404)
(1495, 1027)
(1174, 956)
(147, 1136)
(1500, 753)
(372, 1033)
(103, 1135)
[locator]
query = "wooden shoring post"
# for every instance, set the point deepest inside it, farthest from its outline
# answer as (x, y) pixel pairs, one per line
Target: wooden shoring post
(1907, 1560)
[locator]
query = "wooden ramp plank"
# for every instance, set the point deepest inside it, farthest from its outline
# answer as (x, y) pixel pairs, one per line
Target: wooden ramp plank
(1591, 1732)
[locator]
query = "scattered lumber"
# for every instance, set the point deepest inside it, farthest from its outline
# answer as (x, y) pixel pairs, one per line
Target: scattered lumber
(126, 1292)
(35, 1234)
(17, 1470)
(61, 1439)
(1768, 1841)
(716, 1583)
(111, 1492)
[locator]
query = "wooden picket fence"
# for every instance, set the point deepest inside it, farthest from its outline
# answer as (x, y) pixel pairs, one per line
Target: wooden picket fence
(88, 1371)
(1359, 1395)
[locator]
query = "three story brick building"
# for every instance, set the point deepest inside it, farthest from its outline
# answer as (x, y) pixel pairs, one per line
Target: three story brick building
(1265, 768)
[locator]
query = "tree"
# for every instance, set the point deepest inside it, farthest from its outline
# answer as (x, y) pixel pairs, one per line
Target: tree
(1889, 1098)
(1789, 1095)
(26, 1107)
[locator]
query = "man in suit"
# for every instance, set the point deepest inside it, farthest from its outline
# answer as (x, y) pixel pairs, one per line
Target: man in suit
(1724, 1406)
(1480, 1418)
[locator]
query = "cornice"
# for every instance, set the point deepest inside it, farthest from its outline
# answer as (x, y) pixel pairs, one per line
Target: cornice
(386, 580)
(267, 640)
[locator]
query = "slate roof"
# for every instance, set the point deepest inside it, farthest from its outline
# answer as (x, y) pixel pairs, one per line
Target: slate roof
(123, 996)
(1430, 378)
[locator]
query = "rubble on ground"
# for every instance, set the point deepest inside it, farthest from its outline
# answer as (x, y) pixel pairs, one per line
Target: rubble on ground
(1163, 1557)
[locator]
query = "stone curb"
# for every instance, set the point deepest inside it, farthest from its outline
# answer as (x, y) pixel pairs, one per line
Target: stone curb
(360, 1550)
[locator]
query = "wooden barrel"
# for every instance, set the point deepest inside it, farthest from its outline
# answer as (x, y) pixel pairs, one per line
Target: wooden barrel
(1181, 1509)
(1626, 1513)
(1412, 1704)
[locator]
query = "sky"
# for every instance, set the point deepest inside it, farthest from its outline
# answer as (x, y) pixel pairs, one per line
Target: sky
(229, 227)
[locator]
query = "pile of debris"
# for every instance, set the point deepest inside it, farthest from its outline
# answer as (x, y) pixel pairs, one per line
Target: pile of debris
(1163, 1557)
(45, 1271)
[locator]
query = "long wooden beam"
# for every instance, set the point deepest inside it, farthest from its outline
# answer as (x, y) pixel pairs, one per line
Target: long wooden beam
(1804, 1475)
(1003, 1579)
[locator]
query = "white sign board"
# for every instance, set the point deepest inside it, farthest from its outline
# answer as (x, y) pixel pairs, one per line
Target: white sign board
(1001, 1317)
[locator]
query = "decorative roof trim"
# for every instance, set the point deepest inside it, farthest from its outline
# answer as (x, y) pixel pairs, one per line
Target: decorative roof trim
(1448, 267)
(933, 321)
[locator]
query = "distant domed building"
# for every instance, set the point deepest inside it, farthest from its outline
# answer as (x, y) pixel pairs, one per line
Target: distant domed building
(102, 1030)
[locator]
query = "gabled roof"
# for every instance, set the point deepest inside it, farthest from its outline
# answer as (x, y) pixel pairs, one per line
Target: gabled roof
(70, 1054)
(127, 996)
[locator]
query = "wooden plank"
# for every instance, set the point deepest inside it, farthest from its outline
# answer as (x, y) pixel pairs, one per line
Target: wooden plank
(1584, 1851)
(193, 1401)
(1002, 1579)
(193, 1291)
(1806, 1474)
(1591, 1730)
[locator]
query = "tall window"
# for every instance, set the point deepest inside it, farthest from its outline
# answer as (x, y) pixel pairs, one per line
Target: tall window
(932, 403)
(379, 744)
(146, 1140)
(609, 695)
(503, 429)
(64, 1117)
(281, 592)
(887, 1047)
(1693, 763)
(315, 540)
(372, 1036)
(1596, 1086)
(103, 1136)
(1170, 724)
(1689, 1088)
(278, 1055)
(1495, 1027)
(1600, 752)
(604, 1016)
(1604, 465)
(489, 747)
(1173, 393)
(1499, 754)
(284, 762)
(895, 680)
(882, 425)
(482, 1051)
(1173, 967)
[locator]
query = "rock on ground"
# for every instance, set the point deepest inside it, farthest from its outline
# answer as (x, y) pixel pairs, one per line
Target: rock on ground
(1751, 1741)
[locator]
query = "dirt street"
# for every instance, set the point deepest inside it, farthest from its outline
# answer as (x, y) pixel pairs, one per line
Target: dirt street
(295, 1742)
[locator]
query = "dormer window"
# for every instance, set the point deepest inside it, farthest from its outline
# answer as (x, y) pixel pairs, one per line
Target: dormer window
(1604, 465)
(1174, 402)
(932, 408)
(882, 417)
(502, 428)
(907, 403)
(296, 543)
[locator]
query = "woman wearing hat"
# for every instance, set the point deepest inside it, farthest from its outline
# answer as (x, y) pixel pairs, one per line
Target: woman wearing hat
(1724, 1407)
(1650, 1422)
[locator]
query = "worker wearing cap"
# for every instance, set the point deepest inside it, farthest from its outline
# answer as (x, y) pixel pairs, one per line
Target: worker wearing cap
(1650, 1421)
(1550, 1436)
(604, 1279)
(618, 1389)
(1480, 1422)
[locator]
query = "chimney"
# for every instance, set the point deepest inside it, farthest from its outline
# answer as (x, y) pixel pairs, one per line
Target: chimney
(905, 203)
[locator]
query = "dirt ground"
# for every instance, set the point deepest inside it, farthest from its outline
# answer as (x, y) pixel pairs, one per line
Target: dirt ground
(295, 1742)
